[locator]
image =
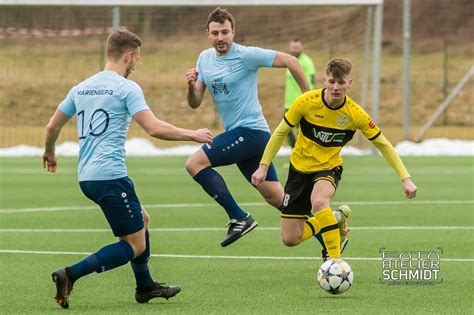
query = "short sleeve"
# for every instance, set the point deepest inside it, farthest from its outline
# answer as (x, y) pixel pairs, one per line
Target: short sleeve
(67, 106)
(255, 57)
(135, 100)
(199, 67)
(367, 126)
(295, 112)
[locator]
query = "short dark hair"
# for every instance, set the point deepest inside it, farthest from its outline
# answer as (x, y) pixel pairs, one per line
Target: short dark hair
(120, 41)
(339, 67)
(220, 16)
(297, 40)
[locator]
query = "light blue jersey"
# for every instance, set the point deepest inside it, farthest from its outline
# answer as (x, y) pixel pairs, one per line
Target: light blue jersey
(104, 104)
(232, 83)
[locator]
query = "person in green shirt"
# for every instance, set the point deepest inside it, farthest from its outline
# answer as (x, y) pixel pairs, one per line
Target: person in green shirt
(292, 90)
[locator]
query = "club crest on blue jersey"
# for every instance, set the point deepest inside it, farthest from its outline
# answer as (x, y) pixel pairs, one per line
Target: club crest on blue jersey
(231, 67)
(219, 87)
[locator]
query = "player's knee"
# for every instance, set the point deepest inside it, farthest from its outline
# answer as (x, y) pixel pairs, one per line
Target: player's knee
(273, 196)
(146, 219)
(319, 204)
(276, 198)
(274, 201)
(189, 164)
(138, 246)
(290, 240)
(137, 242)
(192, 165)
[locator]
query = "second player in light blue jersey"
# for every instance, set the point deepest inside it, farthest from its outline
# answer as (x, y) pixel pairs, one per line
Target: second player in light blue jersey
(230, 72)
(104, 105)
(232, 80)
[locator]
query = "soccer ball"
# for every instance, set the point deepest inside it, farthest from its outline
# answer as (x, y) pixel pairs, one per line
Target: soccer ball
(335, 276)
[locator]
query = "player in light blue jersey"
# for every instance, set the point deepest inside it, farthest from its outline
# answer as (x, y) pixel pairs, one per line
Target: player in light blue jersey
(230, 72)
(104, 105)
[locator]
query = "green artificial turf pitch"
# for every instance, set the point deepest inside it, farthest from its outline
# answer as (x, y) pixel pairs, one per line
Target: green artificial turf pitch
(47, 219)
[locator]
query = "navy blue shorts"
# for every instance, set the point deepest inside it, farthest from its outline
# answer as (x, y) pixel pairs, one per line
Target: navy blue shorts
(241, 146)
(118, 201)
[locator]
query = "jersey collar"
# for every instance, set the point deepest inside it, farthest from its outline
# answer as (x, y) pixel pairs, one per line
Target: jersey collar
(324, 101)
(229, 52)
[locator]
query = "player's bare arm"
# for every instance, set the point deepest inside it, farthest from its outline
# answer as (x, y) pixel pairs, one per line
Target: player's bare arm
(53, 129)
(165, 131)
(283, 60)
(195, 90)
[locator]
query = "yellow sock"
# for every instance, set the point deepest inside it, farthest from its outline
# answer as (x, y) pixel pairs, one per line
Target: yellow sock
(310, 229)
(327, 225)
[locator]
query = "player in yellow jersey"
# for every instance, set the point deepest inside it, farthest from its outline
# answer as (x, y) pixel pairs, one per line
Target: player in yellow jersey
(328, 119)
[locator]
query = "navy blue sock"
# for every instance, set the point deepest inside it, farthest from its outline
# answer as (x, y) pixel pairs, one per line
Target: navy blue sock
(140, 266)
(319, 237)
(107, 258)
(214, 185)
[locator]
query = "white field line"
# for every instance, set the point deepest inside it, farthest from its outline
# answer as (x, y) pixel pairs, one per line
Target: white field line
(181, 171)
(15, 251)
(211, 229)
(251, 204)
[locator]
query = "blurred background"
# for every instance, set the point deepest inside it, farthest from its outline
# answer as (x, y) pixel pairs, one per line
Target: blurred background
(45, 50)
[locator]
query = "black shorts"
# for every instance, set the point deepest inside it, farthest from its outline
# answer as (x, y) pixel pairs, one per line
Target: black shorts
(298, 188)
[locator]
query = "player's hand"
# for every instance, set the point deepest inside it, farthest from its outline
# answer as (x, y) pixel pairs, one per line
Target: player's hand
(259, 175)
(203, 136)
(191, 77)
(409, 187)
(49, 162)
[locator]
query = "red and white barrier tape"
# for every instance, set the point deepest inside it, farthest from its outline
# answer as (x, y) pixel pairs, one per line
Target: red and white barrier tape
(13, 32)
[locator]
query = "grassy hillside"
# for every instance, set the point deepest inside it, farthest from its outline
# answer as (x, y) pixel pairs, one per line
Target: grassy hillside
(32, 85)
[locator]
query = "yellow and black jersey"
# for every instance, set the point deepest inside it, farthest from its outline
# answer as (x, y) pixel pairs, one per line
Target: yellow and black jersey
(324, 131)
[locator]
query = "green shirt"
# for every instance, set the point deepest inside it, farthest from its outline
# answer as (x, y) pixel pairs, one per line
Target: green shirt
(292, 89)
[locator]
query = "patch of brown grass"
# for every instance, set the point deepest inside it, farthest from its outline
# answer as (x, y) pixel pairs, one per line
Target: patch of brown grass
(35, 83)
